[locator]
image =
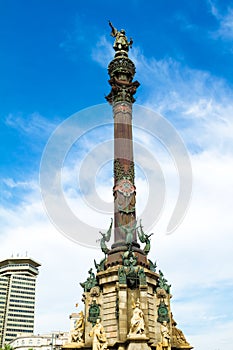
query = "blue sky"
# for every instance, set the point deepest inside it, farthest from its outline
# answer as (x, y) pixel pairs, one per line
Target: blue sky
(53, 63)
(47, 64)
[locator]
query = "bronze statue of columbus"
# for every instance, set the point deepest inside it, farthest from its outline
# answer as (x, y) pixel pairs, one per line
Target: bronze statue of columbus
(121, 42)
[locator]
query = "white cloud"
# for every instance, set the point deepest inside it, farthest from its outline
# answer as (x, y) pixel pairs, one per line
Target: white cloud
(27, 229)
(218, 338)
(226, 26)
(225, 20)
(102, 52)
(198, 104)
(33, 124)
(18, 184)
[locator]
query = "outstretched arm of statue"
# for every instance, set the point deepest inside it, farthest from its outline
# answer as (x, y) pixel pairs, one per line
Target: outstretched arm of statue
(114, 30)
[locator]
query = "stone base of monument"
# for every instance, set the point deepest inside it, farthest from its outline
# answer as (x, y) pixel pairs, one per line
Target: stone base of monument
(73, 345)
(183, 347)
(137, 342)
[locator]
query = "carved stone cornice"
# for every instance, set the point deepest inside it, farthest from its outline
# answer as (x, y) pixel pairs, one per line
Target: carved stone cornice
(122, 90)
(121, 71)
(121, 66)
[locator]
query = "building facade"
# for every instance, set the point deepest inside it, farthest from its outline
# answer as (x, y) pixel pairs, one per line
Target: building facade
(17, 297)
(49, 341)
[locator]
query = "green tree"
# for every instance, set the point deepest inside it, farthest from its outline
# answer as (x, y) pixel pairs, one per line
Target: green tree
(7, 347)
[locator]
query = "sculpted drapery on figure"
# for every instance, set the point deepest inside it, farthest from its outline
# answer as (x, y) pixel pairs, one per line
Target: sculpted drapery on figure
(99, 340)
(137, 324)
(78, 331)
(165, 343)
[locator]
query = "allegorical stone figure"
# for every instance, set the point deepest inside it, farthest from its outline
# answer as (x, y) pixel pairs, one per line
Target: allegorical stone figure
(166, 338)
(99, 340)
(78, 331)
(137, 321)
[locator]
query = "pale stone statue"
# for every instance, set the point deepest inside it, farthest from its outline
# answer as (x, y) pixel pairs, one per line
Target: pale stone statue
(166, 338)
(99, 337)
(78, 331)
(137, 321)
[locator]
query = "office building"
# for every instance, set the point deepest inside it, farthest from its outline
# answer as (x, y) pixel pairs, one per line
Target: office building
(17, 297)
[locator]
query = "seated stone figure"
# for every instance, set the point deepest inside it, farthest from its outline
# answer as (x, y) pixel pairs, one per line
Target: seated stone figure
(78, 331)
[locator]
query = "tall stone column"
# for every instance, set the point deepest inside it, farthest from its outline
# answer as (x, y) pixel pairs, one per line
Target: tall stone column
(121, 71)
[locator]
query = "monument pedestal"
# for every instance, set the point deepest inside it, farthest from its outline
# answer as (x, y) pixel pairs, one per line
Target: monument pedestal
(73, 345)
(138, 342)
(132, 303)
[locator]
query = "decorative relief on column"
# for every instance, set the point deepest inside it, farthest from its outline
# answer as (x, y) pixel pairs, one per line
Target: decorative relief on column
(122, 108)
(122, 90)
(123, 66)
(124, 193)
(121, 174)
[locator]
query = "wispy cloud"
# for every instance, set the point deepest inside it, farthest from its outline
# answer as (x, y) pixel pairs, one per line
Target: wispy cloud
(79, 41)
(102, 51)
(195, 101)
(33, 124)
(225, 22)
(19, 184)
(226, 25)
(13, 192)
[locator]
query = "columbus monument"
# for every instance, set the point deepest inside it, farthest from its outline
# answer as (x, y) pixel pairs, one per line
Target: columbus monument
(126, 299)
